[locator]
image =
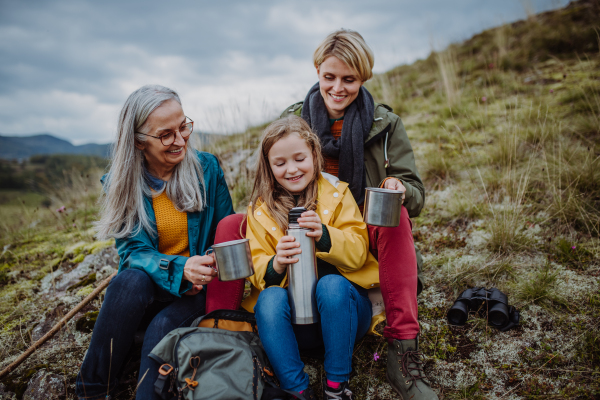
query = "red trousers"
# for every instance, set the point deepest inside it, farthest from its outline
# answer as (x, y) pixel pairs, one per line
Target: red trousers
(393, 248)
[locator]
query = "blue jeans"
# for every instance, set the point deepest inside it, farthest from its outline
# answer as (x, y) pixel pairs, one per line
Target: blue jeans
(132, 302)
(345, 316)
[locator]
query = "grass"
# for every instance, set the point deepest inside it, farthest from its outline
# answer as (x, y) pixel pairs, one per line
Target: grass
(538, 287)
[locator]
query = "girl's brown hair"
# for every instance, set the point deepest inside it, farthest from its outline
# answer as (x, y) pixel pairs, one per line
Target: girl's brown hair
(278, 200)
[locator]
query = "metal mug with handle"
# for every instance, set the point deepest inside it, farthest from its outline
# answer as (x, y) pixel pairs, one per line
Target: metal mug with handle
(233, 259)
(383, 207)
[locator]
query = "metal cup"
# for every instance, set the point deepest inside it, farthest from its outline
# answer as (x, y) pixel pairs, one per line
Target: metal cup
(383, 207)
(233, 259)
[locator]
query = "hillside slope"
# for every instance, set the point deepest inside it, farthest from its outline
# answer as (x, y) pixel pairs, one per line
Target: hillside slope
(506, 133)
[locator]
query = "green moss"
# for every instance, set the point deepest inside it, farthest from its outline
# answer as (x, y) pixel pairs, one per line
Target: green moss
(97, 247)
(84, 282)
(78, 259)
(85, 290)
(76, 249)
(4, 269)
(86, 323)
(55, 263)
(18, 384)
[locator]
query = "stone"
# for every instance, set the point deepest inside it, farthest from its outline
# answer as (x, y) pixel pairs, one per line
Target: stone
(56, 283)
(104, 273)
(45, 385)
(5, 394)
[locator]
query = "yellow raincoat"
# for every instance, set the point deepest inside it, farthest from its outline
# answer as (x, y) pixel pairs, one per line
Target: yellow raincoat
(349, 251)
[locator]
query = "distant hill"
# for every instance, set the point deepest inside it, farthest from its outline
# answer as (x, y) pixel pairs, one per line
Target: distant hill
(21, 147)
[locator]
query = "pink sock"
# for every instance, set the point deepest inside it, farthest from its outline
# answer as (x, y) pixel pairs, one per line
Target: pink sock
(333, 385)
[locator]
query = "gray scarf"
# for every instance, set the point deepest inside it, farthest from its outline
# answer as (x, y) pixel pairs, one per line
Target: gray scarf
(358, 119)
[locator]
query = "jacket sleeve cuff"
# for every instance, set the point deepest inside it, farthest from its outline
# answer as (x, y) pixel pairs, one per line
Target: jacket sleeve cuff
(324, 244)
(178, 285)
(272, 277)
(409, 191)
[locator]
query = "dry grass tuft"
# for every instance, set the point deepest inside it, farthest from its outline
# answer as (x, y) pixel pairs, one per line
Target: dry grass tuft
(447, 64)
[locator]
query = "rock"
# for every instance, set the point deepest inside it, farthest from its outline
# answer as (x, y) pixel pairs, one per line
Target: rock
(56, 284)
(104, 273)
(45, 386)
(5, 394)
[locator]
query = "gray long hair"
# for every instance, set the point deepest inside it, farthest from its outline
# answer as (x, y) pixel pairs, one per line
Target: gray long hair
(122, 212)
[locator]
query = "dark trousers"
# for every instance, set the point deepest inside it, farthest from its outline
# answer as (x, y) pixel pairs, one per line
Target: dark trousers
(132, 302)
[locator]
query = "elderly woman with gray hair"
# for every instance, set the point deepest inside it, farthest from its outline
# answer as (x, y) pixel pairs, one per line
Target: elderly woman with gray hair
(162, 203)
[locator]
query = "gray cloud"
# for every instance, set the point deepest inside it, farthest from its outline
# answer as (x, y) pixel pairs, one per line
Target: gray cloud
(69, 65)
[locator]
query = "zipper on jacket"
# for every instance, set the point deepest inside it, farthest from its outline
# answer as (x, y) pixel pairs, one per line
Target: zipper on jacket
(378, 135)
(387, 160)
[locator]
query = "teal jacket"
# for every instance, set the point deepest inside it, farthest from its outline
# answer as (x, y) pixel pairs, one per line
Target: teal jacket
(141, 251)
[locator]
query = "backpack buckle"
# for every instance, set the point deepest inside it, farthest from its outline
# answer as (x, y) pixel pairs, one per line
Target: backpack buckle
(165, 369)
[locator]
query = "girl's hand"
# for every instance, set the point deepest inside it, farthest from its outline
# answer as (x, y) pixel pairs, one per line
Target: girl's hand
(286, 249)
(199, 270)
(395, 184)
(311, 220)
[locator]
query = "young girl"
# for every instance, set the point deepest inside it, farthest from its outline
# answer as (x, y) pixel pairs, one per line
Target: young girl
(289, 175)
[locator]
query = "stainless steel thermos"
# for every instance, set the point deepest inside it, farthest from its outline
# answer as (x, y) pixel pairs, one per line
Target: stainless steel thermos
(302, 276)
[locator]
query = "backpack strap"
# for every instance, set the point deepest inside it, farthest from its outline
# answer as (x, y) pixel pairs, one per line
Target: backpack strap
(274, 391)
(164, 373)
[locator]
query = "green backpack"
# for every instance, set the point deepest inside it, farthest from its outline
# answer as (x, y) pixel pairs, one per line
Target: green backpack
(219, 357)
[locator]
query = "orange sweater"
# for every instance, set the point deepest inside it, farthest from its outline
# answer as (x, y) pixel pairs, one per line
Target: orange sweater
(332, 164)
(171, 226)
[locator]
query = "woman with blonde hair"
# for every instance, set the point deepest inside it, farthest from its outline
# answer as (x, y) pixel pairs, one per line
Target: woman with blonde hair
(162, 202)
(365, 144)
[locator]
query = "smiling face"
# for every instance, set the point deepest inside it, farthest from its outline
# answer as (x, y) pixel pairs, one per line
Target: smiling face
(165, 119)
(292, 163)
(339, 85)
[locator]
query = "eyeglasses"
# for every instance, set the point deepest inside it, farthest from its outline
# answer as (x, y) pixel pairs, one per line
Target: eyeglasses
(168, 138)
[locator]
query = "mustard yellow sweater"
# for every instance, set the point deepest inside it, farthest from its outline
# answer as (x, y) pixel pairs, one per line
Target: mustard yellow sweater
(171, 226)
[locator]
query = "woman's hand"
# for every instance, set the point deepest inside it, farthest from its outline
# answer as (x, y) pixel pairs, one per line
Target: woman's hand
(286, 249)
(395, 184)
(311, 220)
(194, 290)
(199, 271)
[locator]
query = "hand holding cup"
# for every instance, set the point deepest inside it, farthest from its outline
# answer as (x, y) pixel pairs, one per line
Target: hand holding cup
(199, 270)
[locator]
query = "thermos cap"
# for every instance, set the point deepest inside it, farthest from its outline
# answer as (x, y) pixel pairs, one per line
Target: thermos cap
(295, 213)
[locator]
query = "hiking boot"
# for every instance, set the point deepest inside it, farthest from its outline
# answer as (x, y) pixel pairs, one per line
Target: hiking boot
(309, 394)
(341, 393)
(405, 371)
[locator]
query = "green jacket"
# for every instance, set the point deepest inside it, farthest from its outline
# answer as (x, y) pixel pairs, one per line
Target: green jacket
(141, 251)
(388, 140)
(388, 137)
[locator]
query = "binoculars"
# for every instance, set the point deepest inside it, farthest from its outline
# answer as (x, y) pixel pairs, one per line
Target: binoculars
(491, 303)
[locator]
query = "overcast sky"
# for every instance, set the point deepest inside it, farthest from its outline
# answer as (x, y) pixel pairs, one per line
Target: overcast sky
(68, 66)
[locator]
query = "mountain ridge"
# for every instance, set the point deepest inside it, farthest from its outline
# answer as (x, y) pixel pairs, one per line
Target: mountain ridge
(20, 147)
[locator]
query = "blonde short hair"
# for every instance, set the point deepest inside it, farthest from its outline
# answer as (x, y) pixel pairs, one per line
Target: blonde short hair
(350, 47)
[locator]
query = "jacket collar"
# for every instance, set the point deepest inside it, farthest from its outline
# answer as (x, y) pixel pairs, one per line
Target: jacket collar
(329, 186)
(381, 123)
